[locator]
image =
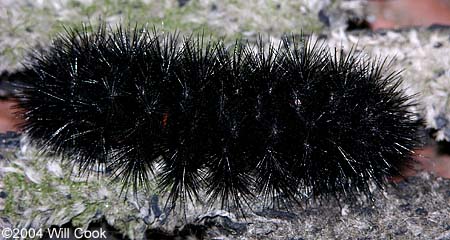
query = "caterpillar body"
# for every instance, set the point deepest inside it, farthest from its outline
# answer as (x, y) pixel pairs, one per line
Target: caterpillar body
(233, 122)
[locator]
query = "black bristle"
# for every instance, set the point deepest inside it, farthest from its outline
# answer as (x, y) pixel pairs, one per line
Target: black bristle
(231, 123)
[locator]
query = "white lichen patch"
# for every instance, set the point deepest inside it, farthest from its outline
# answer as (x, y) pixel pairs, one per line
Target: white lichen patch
(422, 56)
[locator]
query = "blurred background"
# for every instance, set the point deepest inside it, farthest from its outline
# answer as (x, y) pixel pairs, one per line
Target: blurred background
(407, 13)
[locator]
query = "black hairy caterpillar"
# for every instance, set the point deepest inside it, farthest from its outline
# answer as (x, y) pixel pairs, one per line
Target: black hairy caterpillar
(232, 122)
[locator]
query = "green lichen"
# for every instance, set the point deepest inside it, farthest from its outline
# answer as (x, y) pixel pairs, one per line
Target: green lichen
(11, 181)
